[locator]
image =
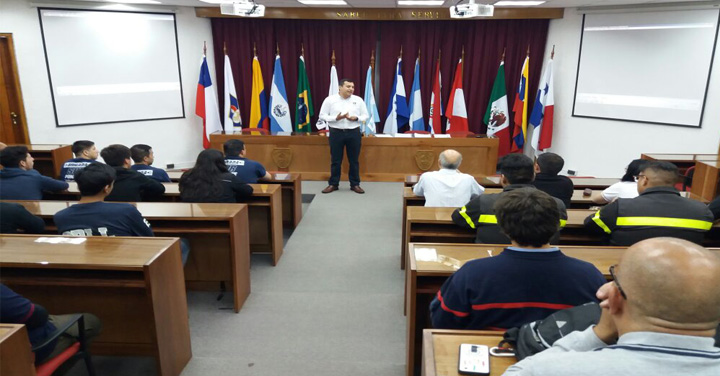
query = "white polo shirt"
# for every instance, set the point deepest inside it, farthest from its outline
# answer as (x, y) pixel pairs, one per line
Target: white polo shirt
(447, 188)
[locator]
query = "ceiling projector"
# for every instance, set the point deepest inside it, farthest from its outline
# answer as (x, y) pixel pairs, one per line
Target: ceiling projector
(243, 8)
(471, 10)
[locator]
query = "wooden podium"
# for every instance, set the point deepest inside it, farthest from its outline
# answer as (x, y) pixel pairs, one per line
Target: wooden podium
(381, 158)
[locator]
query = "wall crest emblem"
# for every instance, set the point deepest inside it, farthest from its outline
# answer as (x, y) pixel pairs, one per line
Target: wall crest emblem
(424, 159)
(282, 157)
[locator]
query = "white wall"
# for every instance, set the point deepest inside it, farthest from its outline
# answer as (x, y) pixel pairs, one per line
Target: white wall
(601, 147)
(175, 141)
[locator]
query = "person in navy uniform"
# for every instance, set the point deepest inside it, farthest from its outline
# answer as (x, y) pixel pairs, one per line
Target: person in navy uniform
(144, 157)
(18, 179)
(247, 170)
(85, 153)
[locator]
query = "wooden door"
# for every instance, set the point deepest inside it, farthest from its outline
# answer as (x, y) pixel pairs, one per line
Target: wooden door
(13, 127)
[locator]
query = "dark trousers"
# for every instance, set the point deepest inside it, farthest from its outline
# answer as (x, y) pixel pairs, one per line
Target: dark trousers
(341, 139)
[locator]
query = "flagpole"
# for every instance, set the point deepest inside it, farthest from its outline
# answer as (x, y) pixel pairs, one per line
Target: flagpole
(332, 59)
(502, 58)
(254, 50)
(552, 54)
(204, 48)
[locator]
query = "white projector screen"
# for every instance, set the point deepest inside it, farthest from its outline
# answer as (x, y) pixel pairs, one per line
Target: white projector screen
(109, 66)
(646, 67)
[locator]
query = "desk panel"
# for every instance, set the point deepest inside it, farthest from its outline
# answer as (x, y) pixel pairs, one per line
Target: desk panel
(16, 357)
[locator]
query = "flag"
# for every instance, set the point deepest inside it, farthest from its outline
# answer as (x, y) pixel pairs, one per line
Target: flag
(416, 115)
(436, 110)
(520, 109)
(542, 114)
(334, 89)
(398, 113)
(258, 104)
(304, 109)
(206, 105)
(456, 111)
(497, 116)
(232, 120)
(369, 125)
(279, 110)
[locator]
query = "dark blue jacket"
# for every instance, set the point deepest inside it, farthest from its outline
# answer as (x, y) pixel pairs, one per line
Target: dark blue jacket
(102, 218)
(247, 170)
(19, 184)
(71, 166)
(152, 172)
(15, 309)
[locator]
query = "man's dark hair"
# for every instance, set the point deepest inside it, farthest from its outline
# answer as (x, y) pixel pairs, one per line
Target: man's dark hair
(233, 148)
(550, 163)
(11, 156)
(115, 155)
(517, 168)
(344, 80)
(633, 169)
(139, 152)
(665, 174)
(93, 178)
(528, 216)
(80, 146)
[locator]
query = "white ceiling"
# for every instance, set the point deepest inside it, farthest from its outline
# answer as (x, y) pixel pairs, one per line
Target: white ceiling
(393, 3)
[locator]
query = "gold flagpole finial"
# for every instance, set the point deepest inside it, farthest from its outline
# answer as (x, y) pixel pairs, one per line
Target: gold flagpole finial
(552, 54)
(254, 50)
(332, 59)
(503, 55)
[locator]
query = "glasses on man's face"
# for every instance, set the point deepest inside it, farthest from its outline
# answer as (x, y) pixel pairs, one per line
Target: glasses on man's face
(637, 177)
(617, 283)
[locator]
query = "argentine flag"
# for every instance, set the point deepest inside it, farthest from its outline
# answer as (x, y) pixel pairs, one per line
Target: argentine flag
(279, 110)
(373, 117)
(398, 113)
(416, 115)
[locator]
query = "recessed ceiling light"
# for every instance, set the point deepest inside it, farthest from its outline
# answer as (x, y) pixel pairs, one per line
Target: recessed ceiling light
(216, 1)
(133, 1)
(420, 2)
(322, 2)
(522, 3)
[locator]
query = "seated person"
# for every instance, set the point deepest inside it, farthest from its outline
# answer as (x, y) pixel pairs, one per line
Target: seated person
(15, 309)
(547, 167)
(658, 318)
(517, 171)
(14, 217)
(210, 181)
(247, 170)
(91, 216)
(625, 188)
(658, 211)
(526, 282)
(130, 186)
(447, 187)
(144, 157)
(85, 153)
(18, 180)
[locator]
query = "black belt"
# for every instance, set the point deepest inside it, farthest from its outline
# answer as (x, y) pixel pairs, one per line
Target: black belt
(344, 130)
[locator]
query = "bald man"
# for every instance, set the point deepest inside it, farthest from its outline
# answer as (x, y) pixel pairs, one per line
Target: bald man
(447, 187)
(658, 318)
(659, 210)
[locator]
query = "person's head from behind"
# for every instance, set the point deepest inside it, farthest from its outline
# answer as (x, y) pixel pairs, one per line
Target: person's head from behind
(516, 169)
(204, 179)
(529, 217)
(16, 157)
(633, 169)
(116, 155)
(657, 174)
(142, 154)
(665, 285)
(234, 148)
(95, 179)
(346, 88)
(84, 149)
(210, 161)
(549, 164)
(450, 159)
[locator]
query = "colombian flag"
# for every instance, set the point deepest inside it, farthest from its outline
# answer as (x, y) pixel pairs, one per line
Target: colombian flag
(258, 104)
(520, 109)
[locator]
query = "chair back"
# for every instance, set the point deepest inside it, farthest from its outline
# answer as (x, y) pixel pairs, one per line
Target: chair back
(262, 131)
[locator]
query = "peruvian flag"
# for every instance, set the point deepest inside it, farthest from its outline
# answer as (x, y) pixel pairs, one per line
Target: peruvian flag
(436, 102)
(206, 104)
(542, 114)
(456, 111)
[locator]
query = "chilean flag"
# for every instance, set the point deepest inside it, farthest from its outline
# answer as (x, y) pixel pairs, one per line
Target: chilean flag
(542, 113)
(456, 111)
(206, 105)
(436, 110)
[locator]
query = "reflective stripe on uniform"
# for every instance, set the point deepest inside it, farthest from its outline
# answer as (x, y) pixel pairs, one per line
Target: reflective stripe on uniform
(600, 223)
(563, 222)
(469, 221)
(487, 218)
(664, 222)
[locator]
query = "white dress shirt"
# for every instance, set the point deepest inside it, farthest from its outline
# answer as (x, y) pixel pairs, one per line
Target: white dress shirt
(447, 188)
(333, 105)
(622, 189)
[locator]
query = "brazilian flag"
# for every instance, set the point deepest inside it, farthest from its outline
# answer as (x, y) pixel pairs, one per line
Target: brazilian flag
(304, 109)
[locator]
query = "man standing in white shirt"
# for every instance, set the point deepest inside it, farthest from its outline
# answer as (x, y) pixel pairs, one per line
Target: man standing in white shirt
(447, 187)
(344, 113)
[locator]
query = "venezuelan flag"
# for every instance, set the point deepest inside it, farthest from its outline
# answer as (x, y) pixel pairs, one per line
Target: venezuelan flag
(520, 109)
(258, 104)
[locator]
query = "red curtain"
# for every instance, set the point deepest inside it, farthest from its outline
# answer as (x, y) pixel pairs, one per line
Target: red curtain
(353, 42)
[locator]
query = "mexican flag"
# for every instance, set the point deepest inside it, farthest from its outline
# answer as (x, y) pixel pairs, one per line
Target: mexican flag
(497, 117)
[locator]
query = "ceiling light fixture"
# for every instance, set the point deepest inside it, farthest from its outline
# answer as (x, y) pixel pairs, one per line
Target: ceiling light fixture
(521, 3)
(421, 3)
(322, 2)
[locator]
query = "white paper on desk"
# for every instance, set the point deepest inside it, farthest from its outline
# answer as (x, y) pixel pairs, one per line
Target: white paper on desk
(403, 135)
(426, 254)
(60, 240)
(383, 135)
(423, 135)
(281, 176)
(440, 135)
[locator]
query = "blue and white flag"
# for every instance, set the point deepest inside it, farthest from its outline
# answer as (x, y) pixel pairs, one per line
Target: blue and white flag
(232, 120)
(279, 111)
(334, 89)
(398, 113)
(416, 114)
(373, 117)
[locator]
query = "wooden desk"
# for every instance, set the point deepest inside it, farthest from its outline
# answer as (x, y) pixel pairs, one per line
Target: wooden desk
(441, 351)
(265, 214)
(381, 159)
(291, 184)
(134, 285)
(16, 357)
(682, 161)
(49, 158)
(218, 235)
(706, 179)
